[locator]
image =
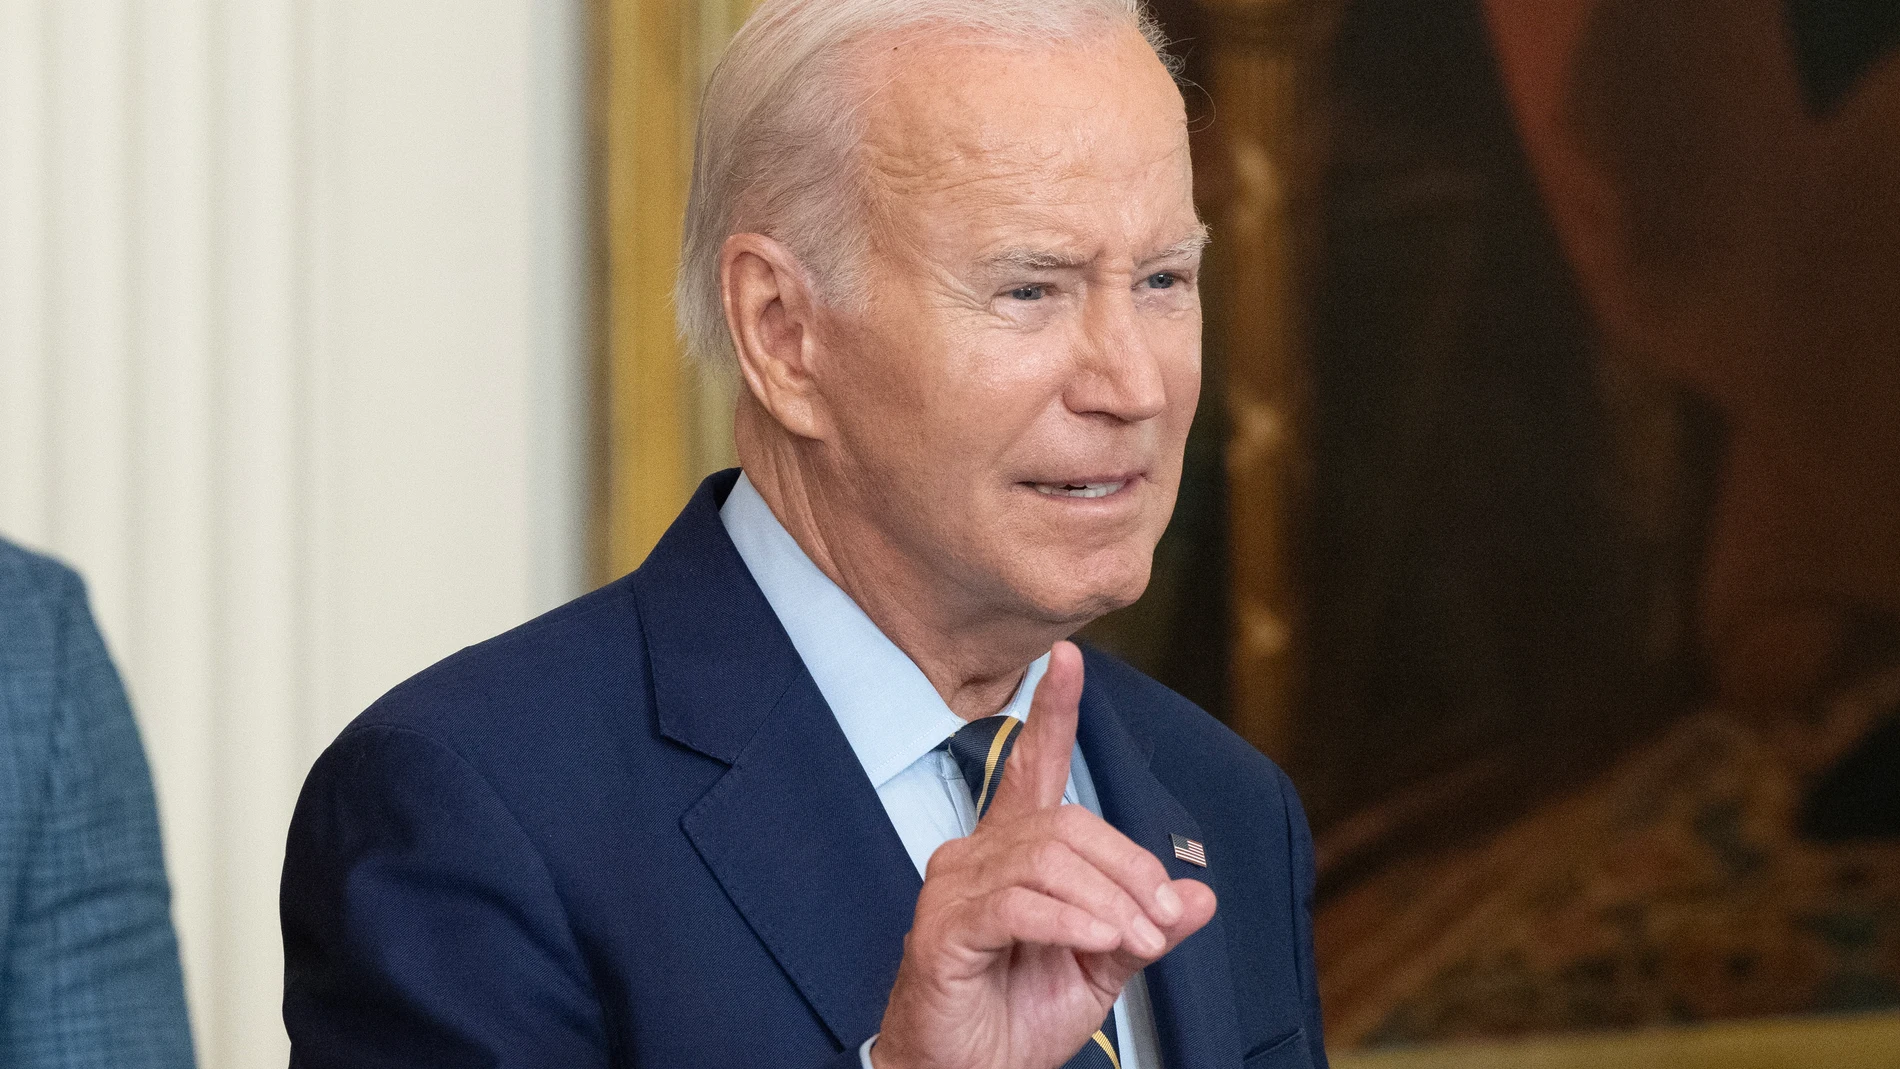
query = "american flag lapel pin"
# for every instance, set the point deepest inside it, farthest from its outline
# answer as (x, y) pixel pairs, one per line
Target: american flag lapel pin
(1189, 850)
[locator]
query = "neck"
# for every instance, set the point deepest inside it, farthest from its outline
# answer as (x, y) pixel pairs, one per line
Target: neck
(973, 655)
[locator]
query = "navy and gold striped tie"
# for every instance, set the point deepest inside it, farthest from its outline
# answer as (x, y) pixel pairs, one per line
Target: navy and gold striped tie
(980, 748)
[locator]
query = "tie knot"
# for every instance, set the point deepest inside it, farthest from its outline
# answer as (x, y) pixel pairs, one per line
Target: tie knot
(979, 748)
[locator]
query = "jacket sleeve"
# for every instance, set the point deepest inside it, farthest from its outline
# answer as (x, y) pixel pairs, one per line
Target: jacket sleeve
(421, 926)
(92, 974)
(1302, 867)
(422, 929)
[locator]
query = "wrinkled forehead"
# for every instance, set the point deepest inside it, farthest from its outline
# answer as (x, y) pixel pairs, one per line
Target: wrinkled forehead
(1093, 126)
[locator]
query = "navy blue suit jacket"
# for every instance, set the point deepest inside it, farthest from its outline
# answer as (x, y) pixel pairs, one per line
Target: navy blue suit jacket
(631, 833)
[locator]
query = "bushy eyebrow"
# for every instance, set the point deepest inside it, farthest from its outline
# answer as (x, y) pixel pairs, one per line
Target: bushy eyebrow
(1023, 259)
(1031, 260)
(1185, 249)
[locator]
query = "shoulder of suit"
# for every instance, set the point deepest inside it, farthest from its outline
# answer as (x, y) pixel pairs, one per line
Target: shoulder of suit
(1180, 730)
(36, 594)
(587, 646)
(29, 578)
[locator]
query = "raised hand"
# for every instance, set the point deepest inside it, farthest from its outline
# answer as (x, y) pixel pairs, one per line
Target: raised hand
(1027, 929)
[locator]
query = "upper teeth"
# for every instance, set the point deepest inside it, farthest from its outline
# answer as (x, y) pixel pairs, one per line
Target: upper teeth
(1079, 489)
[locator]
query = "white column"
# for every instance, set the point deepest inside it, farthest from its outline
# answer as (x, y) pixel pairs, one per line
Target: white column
(261, 455)
(87, 297)
(167, 646)
(24, 370)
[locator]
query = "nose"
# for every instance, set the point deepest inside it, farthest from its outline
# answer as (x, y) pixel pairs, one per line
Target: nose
(1118, 373)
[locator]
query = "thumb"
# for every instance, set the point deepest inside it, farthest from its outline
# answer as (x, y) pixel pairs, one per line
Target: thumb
(1038, 767)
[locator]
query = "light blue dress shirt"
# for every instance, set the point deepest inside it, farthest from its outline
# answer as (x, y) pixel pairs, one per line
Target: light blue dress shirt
(894, 719)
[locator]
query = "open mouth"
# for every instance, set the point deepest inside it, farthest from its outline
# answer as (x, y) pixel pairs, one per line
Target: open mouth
(1084, 490)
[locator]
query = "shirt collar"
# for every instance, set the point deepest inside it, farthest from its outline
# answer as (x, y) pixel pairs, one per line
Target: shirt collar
(890, 713)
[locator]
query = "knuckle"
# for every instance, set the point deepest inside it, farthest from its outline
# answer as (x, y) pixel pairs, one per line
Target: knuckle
(1073, 820)
(1048, 858)
(1147, 868)
(1123, 904)
(945, 859)
(1013, 905)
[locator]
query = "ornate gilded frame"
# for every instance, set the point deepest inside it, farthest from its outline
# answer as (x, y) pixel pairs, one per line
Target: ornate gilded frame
(1870, 1042)
(663, 423)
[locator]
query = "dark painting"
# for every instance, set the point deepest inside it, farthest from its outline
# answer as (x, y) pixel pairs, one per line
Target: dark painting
(1596, 543)
(1604, 550)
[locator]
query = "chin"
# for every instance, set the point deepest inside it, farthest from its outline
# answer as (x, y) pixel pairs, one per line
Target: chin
(1075, 592)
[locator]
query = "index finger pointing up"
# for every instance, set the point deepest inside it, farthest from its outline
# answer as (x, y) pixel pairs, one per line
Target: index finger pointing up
(1038, 767)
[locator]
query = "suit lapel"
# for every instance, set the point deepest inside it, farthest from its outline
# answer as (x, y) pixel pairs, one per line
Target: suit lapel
(793, 831)
(1192, 988)
(797, 837)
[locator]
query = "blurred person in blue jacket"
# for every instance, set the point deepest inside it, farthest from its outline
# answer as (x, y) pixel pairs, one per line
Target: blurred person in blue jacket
(89, 973)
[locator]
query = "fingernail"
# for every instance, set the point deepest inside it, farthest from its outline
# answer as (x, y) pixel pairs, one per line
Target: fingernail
(1148, 936)
(1168, 904)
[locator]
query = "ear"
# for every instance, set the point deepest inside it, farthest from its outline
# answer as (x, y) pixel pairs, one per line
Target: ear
(771, 311)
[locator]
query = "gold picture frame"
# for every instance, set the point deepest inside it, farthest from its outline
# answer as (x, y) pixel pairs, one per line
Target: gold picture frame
(1867, 1042)
(663, 423)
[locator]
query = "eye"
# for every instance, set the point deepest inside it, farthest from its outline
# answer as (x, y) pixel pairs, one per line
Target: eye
(1162, 280)
(1028, 293)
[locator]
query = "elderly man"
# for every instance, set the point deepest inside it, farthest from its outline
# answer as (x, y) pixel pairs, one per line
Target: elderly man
(821, 783)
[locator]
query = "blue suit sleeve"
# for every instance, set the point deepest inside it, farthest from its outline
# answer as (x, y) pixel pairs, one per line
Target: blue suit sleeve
(1302, 867)
(421, 926)
(92, 977)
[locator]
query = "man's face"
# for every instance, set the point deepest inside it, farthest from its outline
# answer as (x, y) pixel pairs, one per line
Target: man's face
(1012, 397)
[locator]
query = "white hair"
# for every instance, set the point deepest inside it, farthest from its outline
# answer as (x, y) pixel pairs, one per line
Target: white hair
(779, 126)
